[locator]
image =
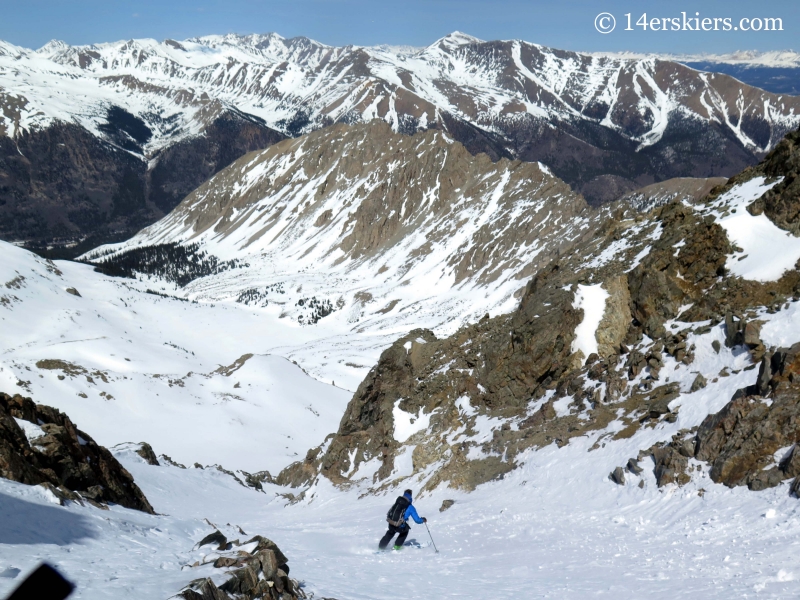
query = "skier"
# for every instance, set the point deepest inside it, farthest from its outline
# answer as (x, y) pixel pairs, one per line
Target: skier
(398, 517)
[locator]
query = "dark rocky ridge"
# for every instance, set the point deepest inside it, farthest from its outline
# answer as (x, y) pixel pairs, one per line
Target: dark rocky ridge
(502, 364)
(62, 183)
(65, 459)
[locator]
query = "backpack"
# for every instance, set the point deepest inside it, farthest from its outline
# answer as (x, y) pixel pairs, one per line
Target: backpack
(397, 514)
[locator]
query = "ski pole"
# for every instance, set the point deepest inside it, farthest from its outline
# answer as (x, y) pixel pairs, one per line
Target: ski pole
(430, 536)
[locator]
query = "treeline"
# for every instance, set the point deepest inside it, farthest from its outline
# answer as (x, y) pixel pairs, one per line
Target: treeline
(172, 262)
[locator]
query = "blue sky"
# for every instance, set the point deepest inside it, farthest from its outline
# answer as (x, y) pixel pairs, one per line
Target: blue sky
(562, 24)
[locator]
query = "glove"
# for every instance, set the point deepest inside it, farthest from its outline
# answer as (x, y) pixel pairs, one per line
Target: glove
(424, 520)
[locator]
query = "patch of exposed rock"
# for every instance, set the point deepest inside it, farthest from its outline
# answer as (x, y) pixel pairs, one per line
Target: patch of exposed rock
(256, 569)
(40, 445)
(689, 190)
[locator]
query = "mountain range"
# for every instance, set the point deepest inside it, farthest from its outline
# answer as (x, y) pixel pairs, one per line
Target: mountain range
(104, 139)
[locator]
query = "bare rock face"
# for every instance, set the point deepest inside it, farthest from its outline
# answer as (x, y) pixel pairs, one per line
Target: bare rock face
(60, 456)
(741, 440)
(62, 183)
(616, 317)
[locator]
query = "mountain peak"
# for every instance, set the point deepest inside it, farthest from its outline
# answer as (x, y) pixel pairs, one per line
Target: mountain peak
(53, 47)
(457, 38)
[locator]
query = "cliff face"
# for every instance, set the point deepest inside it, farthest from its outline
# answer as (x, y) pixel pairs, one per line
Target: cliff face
(40, 445)
(657, 288)
(62, 183)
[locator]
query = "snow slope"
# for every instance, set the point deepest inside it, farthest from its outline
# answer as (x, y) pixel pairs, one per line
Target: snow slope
(200, 382)
(555, 528)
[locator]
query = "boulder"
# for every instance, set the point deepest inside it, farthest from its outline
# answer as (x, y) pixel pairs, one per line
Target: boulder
(261, 574)
(699, 383)
(670, 466)
(62, 456)
(215, 538)
(145, 450)
(446, 504)
(633, 466)
(617, 476)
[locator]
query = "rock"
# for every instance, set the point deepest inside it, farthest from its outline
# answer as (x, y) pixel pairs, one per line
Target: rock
(216, 538)
(780, 203)
(670, 466)
(65, 457)
(740, 440)
(633, 466)
(660, 398)
(203, 589)
(255, 480)
(752, 334)
(734, 330)
(262, 574)
(790, 464)
(146, 452)
(226, 561)
(716, 346)
(699, 383)
(446, 504)
(617, 476)
(242, 581)
(794, 489)
(616, 318)
(73, 291)
(764, 375)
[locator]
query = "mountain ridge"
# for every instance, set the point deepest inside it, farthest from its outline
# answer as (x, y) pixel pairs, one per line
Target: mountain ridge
(606, 126)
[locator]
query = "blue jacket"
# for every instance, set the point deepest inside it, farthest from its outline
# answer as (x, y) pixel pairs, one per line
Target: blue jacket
(411, 512)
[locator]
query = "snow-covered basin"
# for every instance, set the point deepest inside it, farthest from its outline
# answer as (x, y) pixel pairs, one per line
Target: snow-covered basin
(142, 368)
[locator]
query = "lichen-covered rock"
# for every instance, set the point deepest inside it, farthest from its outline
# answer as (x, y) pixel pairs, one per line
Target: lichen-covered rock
(62, 456)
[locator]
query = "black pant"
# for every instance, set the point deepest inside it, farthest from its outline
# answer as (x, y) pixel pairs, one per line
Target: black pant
(403, 530)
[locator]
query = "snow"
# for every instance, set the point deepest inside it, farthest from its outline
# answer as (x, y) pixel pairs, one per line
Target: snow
(214, 392)
(31, 430)
(168, 84)
(767, 251)
(554, 527)
(592, 300)
(407, 424)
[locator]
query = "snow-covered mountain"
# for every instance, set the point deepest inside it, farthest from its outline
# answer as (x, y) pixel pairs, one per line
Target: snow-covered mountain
(176, 112)
(776, 71)
(376, 231)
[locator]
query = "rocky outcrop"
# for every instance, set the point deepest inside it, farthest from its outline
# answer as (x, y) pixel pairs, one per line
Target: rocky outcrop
(752, 440)
(740, 442)
(782, 203)
(40, 445)
(499, 368)
(260, 573)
